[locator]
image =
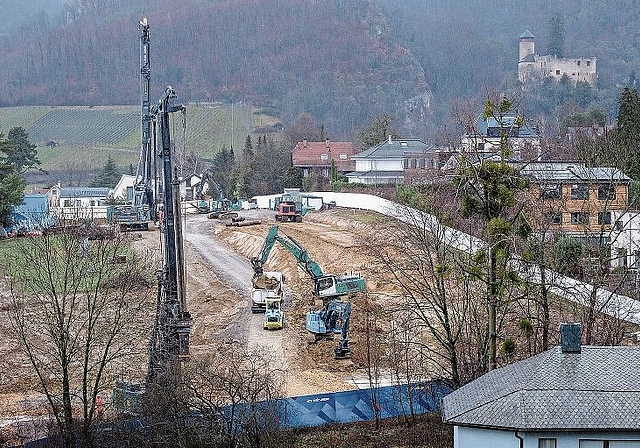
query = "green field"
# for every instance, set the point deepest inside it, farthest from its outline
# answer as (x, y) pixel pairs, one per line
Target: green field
(87, 135)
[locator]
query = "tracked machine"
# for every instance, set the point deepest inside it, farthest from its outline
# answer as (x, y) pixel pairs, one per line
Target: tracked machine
(140, 212)
(333, 319)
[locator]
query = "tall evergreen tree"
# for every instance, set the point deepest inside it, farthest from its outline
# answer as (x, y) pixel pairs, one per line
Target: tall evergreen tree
(11, 182)
(108, 176)
(24, 155)
(247, 151)
(490, 193)
(556, 35)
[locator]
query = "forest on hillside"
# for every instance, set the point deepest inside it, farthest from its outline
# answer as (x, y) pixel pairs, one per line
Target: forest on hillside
(343, 62)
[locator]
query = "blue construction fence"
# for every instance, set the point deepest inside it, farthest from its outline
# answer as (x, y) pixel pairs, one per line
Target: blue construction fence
(327, 408)
(358, 405)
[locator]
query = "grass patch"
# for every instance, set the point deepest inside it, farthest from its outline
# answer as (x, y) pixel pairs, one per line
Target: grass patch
(363, 216)
(64, 262)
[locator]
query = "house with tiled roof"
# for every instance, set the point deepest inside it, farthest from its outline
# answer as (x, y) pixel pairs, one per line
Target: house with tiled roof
(570, 396)
(523, 137)
(397, 160)
(319, 157)
(577, 200)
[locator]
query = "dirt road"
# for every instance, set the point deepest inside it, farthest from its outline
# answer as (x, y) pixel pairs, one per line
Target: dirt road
(219, 275)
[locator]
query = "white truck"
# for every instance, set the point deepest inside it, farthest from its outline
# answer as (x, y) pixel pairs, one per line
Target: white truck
(267, 286)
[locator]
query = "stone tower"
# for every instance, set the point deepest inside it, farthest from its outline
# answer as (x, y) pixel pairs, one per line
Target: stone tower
(527, 45)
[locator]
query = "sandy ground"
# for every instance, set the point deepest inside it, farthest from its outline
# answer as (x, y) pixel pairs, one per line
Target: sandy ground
(218, 295)
(219, 275)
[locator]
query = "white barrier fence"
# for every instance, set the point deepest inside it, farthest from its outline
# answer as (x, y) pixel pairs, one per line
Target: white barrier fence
(612, 304)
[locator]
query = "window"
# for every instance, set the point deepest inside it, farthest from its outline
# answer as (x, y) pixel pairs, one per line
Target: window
(555, 218)
(343, 157)
(551, 191)
(604, 218)
(606, 192)
(67, 203)
(579, 191)
(578, 62)
(609, 444)
(592, 444)
(92, 203)
(324, 157)
(546, 443)
(580, 218)
(588, 63)
(557, 72)
(619, 225)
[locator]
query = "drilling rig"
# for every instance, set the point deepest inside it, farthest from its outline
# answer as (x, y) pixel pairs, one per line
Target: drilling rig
(141, 212)
(169, 343)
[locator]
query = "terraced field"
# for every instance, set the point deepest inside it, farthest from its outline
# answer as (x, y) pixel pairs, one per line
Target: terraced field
(87, 136)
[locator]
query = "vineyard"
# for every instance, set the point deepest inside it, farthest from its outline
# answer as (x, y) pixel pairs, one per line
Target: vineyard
(86, 136)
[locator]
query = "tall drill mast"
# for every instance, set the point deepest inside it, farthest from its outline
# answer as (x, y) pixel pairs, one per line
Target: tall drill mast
(169, 345)
(143, 188)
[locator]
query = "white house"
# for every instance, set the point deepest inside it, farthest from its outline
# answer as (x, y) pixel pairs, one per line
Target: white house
(384, 163)
(124, 188)
(571, 396)
(75, 203)
(625, 239)
(523, 138)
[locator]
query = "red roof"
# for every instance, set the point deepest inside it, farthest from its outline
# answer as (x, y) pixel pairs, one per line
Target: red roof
(320, 154)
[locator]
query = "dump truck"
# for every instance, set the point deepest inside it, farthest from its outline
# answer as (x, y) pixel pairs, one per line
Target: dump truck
(265, 286)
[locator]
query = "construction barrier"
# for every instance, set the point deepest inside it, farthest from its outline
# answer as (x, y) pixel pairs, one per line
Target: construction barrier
(359, 405)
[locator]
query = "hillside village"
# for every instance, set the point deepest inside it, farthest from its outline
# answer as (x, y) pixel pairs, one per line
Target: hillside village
(501, 266)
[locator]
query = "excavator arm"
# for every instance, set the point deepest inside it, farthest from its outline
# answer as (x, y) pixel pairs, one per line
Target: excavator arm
(288, 242)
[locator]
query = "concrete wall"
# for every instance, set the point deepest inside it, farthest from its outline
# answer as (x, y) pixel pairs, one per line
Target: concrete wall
(483, 438)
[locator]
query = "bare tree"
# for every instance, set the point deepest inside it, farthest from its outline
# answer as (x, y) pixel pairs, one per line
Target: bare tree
(236, 390)
(76, 309)
(419, 253)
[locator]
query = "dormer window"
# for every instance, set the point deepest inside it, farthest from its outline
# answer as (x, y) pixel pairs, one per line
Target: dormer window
(343, 157)
(324, 157)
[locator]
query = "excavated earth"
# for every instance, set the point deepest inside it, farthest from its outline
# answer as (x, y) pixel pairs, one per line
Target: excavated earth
(218, 297)
(219, 279)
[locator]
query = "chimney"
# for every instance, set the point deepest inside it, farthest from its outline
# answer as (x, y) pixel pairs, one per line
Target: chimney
(326, 142)
(570, 335)
(389, 138)
(304, 143)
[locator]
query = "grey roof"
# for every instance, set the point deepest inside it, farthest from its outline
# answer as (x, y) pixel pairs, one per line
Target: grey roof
(597, 389)
(572, 172)
(84, 192)
(508, 124)
(393, 149)
(528, 58)
(526, 35)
